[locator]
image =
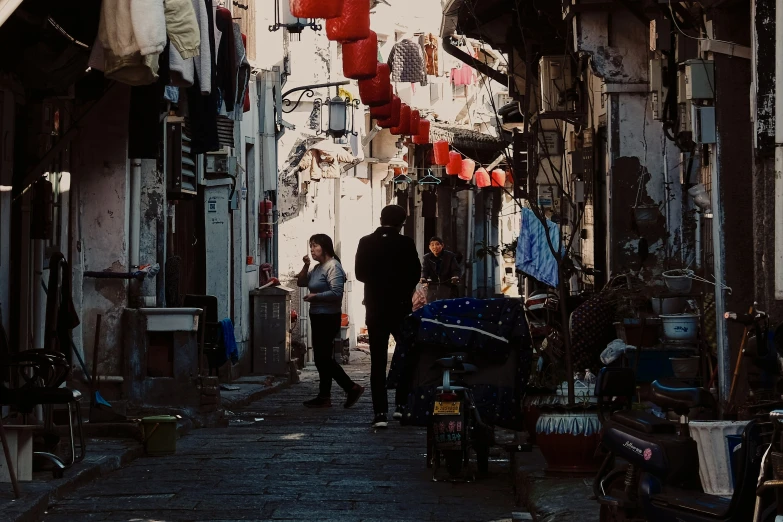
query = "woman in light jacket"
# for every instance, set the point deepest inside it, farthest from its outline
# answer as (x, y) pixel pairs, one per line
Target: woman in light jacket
(325, 286)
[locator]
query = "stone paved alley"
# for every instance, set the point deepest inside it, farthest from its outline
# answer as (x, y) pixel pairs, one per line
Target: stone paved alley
(295, 464)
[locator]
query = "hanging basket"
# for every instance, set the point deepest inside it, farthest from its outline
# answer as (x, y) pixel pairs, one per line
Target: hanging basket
(415, 120)
(423, 137)
(375, 91)
(441, 150)
(468, 168)
(404, 127)
(498, 178)
(482, 178)
(454, 165)
(360, 59)
(394, 119)
(316, 8)
(353, 25)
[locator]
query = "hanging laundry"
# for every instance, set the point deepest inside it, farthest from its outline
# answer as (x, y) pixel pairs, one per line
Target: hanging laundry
(226, 59)
(429, 45)
(534, 256)
(242, 75)
(246, 102)
(322, 161)
(464, 75)
(202, 108)
(117, 36)
(429, 204)
(182, 27)
(171, 94)
(406, 61)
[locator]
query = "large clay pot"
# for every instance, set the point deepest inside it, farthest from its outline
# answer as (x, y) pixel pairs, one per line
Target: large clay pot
(569, 439)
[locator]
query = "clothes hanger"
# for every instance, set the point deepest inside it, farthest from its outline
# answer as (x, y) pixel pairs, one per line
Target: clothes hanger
(429, 179)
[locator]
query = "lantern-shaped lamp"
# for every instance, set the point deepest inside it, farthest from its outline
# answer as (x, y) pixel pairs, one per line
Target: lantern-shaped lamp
(482, 178)
(441, 150)
(375, 91)
(498, 178)
(352, 25)
(415, 119)
(468, 168)
(454, 166)
(423, 137)
(404, 126)
(316, 8)
(360, 58)
(341, 116)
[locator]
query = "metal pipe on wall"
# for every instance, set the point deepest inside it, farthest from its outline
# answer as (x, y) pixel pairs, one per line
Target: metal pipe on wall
(135, 214)
(723, 349)
(778, 150)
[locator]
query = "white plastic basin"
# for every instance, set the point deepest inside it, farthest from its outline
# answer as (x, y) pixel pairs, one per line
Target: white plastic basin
(171, 319)
(680, 327)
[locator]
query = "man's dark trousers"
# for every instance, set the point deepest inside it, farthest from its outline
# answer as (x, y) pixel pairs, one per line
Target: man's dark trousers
(379, 330)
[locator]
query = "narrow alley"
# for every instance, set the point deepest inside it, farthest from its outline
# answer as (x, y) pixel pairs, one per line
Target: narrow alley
(295, 464)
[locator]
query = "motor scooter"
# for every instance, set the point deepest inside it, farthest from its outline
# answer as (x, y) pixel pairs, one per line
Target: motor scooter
(455, 424)
(659, 479)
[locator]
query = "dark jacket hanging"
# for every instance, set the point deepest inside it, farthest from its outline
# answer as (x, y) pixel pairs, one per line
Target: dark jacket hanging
(203, 110)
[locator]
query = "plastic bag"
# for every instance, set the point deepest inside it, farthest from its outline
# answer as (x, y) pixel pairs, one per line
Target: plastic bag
(614, 350)
(419, 297)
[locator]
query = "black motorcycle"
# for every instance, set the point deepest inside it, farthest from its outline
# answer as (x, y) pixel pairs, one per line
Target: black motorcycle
(658, 480)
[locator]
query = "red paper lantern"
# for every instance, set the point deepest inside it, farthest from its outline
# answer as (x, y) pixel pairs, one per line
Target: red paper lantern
(423, 137)
(498, 178)
(360, 59)
(468, 168)
(375, 91)
(510, 176)
(381, 112)
(352, 25)
(482, 178)
(404, 127)
(394, 119)
(454, 166)
(316, 8)
(415, 119)
(441, 149)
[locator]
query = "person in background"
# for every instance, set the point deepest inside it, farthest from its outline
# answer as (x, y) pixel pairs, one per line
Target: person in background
(439, 271)
(388, 265)
(325, 285)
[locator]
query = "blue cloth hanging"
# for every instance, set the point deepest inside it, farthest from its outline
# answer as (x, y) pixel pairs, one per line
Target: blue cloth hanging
(534, 256)
(229, 341)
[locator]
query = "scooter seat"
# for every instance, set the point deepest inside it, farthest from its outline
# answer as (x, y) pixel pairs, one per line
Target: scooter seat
(644, 422)
(674, 396)
(454, 364)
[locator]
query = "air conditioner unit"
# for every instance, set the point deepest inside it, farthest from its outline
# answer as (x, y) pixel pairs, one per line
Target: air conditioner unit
(220, 164)
(556, 80)
(179, 162)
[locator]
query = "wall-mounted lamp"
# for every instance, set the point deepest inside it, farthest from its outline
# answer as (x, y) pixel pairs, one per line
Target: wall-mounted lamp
(340, 120)
(291, 23)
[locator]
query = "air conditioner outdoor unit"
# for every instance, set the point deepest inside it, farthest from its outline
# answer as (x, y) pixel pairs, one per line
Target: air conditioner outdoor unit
(178, 160)
(556, 80)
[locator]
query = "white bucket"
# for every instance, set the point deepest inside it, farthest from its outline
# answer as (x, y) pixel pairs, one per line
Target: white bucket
(680, 327)
(678, 281)
(714, 466)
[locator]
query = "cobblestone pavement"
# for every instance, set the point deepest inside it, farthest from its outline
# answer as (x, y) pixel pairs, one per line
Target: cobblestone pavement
(280, 461)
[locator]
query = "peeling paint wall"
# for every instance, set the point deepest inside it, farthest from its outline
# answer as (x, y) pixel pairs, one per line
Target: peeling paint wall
(101, 167)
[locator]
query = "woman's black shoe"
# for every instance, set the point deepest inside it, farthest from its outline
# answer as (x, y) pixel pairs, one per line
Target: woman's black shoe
(353, 395)
(318, 402)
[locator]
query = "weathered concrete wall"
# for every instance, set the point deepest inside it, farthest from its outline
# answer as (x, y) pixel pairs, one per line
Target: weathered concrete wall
(100, 158)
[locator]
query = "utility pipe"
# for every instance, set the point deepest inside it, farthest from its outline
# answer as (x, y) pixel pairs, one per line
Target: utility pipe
(135, 214)
(778, 150)
(470, 250)
(724, 350)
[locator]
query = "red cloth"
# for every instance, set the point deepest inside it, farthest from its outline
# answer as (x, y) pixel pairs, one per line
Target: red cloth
(246, 102)
(465, 75)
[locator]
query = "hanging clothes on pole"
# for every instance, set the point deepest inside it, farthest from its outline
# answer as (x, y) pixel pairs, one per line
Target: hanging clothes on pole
(534, 256)
(429, 45)
(406, 61)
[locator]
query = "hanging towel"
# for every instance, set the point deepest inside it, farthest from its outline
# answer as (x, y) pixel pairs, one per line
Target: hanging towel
(406, 62)
(534, 257)
(230, 343)
(149, 25)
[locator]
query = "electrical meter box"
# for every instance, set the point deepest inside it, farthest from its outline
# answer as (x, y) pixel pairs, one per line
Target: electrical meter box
(699, 80)
(271, 312)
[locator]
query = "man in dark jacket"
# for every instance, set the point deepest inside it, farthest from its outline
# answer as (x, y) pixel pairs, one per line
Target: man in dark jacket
(439, 271)
(388, 265)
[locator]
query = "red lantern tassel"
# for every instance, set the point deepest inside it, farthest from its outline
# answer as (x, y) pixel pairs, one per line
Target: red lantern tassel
(352, 25)
(360, 59)
(375, 91)
(423, 137)
(316, 8)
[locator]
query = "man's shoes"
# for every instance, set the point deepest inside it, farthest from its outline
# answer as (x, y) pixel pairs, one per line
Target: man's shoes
(318, 402)
(380, 421)
(397, 415)
(353, 395)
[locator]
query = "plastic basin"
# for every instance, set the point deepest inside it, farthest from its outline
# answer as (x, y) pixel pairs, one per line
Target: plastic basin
(680, 327)
(714, 464)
